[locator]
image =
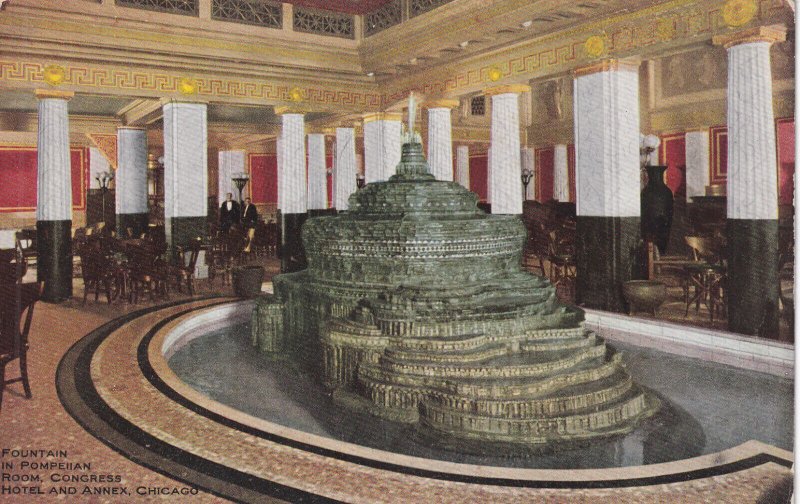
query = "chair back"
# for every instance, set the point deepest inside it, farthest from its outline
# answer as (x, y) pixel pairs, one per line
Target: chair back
(17, 300)
(705, 249)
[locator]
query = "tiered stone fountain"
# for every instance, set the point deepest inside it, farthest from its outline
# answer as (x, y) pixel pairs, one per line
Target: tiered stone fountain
(415, 302)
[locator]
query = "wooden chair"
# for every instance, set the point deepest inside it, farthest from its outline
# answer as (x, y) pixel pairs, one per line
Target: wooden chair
(147, 272)
(706, 274)
(17, 300)
(183, 270)
(99, 273)
(26, 241)
(538, 248)
(562, 260)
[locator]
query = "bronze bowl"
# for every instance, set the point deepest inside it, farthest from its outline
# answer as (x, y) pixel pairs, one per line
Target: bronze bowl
(644, 295)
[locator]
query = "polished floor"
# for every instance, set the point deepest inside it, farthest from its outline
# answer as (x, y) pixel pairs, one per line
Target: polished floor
(752, 474)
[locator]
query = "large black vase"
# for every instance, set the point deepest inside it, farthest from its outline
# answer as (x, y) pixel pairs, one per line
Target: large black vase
(656, 208)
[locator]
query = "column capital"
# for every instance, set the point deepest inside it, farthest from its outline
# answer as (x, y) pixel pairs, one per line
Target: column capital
(141, 128)
(43, 94)
(608, 65)
(183, 101)
(507, 89)
(701, 129)
(287, 109)
(382, 116)
(771, 34)
(441, 103)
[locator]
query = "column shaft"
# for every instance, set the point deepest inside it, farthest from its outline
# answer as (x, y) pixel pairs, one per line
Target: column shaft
(505, 185)
(381, 149)
(345, 173)
(185, 172)
(230, 163)
(698, 163)
(131, 181)
(292, 188)
(607, 180)
(752, 227)
(462, 165)
(440, 145)
(317, 177)
(560, 173)
(54, 200)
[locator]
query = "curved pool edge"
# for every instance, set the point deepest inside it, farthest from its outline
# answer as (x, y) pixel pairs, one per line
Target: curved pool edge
(184, 429)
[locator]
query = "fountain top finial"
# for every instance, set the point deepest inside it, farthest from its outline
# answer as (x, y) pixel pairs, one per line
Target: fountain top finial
(411, 136)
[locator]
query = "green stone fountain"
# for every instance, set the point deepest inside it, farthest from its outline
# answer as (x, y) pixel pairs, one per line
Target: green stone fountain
(414, 307)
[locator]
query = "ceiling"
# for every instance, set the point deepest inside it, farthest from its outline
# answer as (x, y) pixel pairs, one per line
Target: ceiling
(348, 6)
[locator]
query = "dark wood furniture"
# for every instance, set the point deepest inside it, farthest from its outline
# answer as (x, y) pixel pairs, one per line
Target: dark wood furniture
(186, 261)
(147, 271)
(26, 242)
(100, 272)
(16, 300)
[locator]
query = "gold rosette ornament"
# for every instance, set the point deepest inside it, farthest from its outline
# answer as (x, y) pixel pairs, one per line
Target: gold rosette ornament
(595, 46)
(296, 94)
(494, 74)
(54, 75)
(187, 86)
(739, 12)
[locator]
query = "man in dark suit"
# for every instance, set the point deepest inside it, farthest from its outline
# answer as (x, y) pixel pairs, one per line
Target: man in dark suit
(249, 214)
(228, 213)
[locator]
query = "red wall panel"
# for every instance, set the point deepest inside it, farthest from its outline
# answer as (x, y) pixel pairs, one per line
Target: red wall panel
(672, 153)
(18, 174)
(545, 166)
(571, 171)
(785, 137)
(263, 170)
(478, 176)
(719, 154)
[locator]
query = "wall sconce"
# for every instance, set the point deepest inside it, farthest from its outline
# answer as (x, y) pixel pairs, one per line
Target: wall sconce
(360, 180)
(240, 180)
(526, 179)
(647, 145)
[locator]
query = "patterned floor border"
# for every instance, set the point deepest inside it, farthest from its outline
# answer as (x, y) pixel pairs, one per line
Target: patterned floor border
(116, 383)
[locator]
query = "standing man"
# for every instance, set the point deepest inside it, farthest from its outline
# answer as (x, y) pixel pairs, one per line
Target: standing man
(228, 213)
(249, 215)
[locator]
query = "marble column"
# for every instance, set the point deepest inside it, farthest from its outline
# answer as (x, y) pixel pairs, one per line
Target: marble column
(462, 165)
(505, 184)
(440, 143)
(185, 172)
(560, 173)
(317, 175)
(382, 143)
(698, 163)
(529, 163)
(752, 226)
(345, 171)
(292, 189)
(607, 181)
(230, 162)
(54, 196)
(97, 165)
(131, 181)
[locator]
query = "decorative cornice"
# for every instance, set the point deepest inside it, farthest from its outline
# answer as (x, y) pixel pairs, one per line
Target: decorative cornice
(771, 34)
(382, 116)
(289, 109)
(507, 89)
(42, 94)
(608, 65)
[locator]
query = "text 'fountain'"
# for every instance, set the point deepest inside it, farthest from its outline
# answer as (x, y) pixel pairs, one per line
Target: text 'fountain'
(415, 307)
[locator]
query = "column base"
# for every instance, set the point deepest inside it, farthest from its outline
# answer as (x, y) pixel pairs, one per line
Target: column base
(321, 212)
(607, 255)
(292, 253)
(136, 222)
(753, 280)
(54, 259)
(181, 230)
(486, 207)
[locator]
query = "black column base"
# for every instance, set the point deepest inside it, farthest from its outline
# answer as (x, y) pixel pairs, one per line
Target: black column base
(54, 259)
(753, 280)
(321, 212)
(607, 255)
(182, 230)
(136, 222)
(292, 252)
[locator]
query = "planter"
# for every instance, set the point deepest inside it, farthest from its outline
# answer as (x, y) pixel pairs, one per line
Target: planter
(656, 208)
(644, 295)
(247, 280)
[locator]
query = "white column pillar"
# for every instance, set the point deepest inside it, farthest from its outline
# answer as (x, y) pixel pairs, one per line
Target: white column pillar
(54, 196)
(131, 180)
(528, 163)
(230, 162)
(97, 165)
(752, 225)
(560, 173)
(607, 141)
(440, 144)
(317, 176)
(462, 165)
(381, 145)
(293, 158)
(505, 184)
(185, 171)
(698, 163)
(607, 181)
(345, 171)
